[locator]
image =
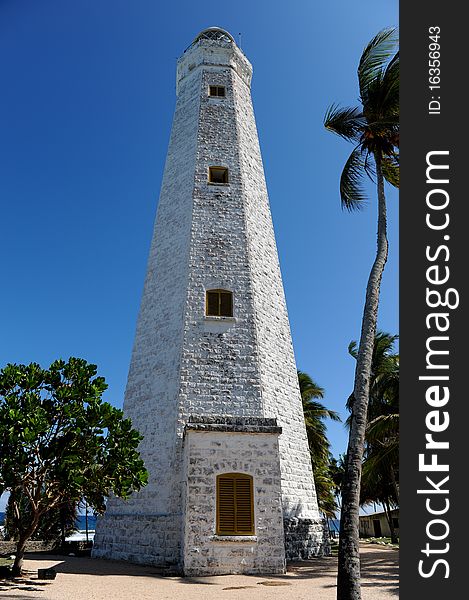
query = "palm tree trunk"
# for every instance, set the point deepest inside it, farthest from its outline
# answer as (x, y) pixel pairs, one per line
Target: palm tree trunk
(348, 579)
(395, 485)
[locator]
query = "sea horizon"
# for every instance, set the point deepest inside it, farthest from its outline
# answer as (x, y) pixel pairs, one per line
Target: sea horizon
(81, 522)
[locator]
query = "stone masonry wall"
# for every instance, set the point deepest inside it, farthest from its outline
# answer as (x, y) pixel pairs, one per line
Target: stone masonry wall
(146, 539)
(280, 391)
(305, 538)
(208, 454)
(220, 371)
(9, 547)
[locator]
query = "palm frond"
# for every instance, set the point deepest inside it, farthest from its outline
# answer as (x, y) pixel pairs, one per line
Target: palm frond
(390, 100)
(374, 59)
(352, 193)
(383, 347)
(346, 122)
(384, 459)
(391, 74)
(308, 387)
(353, 349)
(381, 109)
(383, 429)
(391, 170)
(392, 70)
(368, 165)
(376, 483)
(349, 405)
(385, 375)
(316, 410)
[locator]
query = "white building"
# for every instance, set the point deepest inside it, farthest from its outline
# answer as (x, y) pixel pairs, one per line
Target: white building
(377, 524)
(212, 383)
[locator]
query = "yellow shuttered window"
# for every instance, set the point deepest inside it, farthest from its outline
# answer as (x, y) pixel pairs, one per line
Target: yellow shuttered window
(235, 504)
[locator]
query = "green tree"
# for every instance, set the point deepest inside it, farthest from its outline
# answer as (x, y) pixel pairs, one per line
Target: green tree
(373, 128)
(337, 470)
(382, 432)
(325, 490)
(381, 457)
(315, 414)
(59, 442)
(52, 527)
(376, 487)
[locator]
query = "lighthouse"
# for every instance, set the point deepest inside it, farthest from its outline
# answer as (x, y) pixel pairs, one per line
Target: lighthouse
(212, 384)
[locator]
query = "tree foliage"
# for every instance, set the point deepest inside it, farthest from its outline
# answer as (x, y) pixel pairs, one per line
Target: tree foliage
(382, 430)
(373, 127)
(315, 414)
(53, 525)
(59, 442)
(380, 474)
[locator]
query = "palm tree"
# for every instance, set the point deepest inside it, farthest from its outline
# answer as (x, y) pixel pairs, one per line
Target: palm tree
(373, 128)
(382, 430)
(325, 490)
(376, 487)
(336, 471)
(381, 464)
(319, 446)
(315, 413)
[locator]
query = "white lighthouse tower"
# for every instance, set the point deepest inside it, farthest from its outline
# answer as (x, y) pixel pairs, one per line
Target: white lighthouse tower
(213, 383)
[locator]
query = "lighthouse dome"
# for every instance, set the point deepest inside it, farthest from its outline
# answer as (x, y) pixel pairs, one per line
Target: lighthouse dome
(216, 34)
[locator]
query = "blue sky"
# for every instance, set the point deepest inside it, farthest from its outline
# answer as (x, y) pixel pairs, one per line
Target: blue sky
(88, 93)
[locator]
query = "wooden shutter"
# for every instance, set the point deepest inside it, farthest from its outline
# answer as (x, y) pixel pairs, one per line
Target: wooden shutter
(235, 504)
(244, 516)
(226, 505)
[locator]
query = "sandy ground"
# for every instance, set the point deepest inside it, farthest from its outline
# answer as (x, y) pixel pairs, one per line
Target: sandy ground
(93, 579)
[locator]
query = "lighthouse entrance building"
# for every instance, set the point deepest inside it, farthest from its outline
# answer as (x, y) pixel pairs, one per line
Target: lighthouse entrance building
(212, 383)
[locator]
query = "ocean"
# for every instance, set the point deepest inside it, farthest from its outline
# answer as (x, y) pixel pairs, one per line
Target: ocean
(334, 525)
(80, 524)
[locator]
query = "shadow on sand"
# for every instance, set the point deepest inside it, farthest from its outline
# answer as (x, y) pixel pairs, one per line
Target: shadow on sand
(379, 568)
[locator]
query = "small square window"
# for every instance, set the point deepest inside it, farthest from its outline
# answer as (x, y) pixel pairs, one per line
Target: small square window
(219, 303)
(218, 175)
(217, 91)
